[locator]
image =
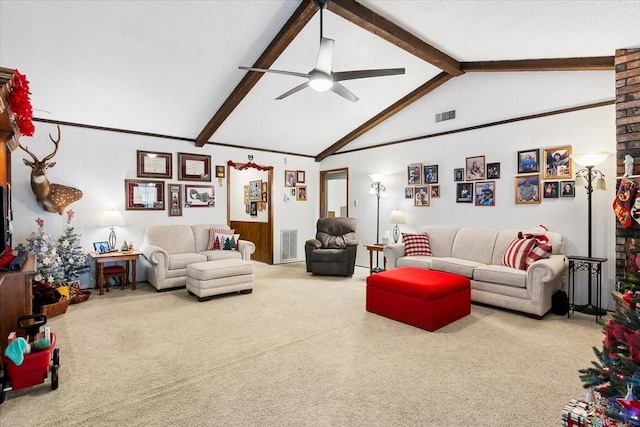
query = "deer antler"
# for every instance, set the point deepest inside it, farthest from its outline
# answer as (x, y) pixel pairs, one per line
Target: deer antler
(33, 156)
(55, 142)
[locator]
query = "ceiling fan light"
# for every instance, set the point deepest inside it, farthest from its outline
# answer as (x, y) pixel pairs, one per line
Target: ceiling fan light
(320, 83)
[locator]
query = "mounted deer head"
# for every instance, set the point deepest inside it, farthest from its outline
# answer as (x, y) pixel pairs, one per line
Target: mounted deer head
(52, 197)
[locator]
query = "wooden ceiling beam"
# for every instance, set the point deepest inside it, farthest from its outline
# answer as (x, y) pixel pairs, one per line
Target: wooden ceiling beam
(289, 31)
(595, 63)
(359, 15)
(385, 114)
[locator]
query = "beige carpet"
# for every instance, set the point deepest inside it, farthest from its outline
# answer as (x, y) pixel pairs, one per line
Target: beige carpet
(301, 351)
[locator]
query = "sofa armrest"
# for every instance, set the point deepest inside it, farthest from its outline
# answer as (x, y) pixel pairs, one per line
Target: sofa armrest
(392, 252)
(547, 269)
(351, 243)
(246, 248)
(157, 256)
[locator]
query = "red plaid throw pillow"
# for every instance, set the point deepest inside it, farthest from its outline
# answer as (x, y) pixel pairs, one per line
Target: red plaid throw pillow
(416, 244)
(516, 254)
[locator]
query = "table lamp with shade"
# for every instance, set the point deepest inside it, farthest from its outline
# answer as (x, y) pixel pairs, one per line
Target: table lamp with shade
(111, 219)
(584, 178)
(396, 217)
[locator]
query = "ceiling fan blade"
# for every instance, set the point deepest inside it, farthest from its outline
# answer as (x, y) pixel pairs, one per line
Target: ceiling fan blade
(343, 92)
(363, 74)
(294, 90)
(325, 55)
(266, 70)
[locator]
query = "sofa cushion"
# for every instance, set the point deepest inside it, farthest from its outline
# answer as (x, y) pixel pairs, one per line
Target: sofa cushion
(516, 254)
(502, 275)
(416, 244)
(440, 239)
(474, 244)
(218, 254)
(458, 266)
(177, 261)
(420, 261)
(175, 239)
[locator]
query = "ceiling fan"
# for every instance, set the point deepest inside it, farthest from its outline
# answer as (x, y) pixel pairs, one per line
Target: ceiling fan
(321, 78)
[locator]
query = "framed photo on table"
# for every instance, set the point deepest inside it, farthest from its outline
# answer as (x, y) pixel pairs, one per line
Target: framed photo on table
(143, 194)
(174, 192)
(194, 167)
(199, 196)
(557, 163)
(154, 164)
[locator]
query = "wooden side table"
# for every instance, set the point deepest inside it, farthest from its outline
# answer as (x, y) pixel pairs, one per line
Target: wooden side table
(375, 247)
(129, 257)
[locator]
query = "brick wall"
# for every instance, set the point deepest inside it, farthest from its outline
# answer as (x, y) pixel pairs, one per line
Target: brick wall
(627, 64)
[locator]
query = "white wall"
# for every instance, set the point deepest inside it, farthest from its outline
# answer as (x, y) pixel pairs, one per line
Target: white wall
(585, 131)
(97, 162)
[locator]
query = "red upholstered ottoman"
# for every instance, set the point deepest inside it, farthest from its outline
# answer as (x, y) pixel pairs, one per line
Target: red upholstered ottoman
(423, 298)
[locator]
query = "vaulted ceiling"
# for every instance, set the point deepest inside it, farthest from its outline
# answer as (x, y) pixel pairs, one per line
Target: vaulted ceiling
(171, 67)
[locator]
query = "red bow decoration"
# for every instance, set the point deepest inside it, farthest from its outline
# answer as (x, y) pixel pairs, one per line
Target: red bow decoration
(243, 166)
(21, 105)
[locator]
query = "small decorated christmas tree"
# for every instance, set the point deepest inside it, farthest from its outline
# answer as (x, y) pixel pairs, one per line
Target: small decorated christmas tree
(615, 376)
(49, 268)
(74, 259)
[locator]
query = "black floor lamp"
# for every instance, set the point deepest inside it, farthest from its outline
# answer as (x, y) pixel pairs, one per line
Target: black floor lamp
(380, 191)
(585, 178)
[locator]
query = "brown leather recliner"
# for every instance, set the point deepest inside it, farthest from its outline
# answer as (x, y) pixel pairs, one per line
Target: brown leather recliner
(333, 251)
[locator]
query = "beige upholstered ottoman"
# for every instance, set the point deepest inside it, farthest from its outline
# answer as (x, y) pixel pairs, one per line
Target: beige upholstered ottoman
(223, 276)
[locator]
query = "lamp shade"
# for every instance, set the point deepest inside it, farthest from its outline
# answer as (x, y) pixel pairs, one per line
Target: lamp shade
(590, 159)
(580, 181)
(397, 217)
(600, 184)
(111, 218)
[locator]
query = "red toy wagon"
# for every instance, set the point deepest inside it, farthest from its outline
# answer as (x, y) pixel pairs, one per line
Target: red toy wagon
(38, 367)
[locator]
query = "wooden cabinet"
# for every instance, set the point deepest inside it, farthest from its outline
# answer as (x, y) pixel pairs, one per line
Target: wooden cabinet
(15, 299)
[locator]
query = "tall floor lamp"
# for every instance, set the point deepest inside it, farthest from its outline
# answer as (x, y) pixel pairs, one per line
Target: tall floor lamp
(585, 178)
(379, 190)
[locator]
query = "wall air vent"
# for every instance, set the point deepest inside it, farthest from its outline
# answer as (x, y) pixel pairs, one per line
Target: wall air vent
(288, 245)
(447, 115)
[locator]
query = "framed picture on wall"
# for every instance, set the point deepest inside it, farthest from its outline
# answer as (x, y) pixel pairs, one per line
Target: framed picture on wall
(144, 195)
(475, 168)
(458, 174)
(567, 189)
(431, 174)
(529, 161)
(557, 162)
(434, 191)
(464, 192)
(550, 189)
(408, 192)
(255, 190)
(493, 170)
(154, 164)
(199, 196)
(421, 198)
(301, 194)
(194, 167)
(289, 178)
(485, 193)
(527, 189)
(300, 177)
(220, 171)
(174, 193)
(414, 173)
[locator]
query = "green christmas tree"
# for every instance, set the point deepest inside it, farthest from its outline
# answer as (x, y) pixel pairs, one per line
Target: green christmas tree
(49, 266)
(74, 259)
(615, 376)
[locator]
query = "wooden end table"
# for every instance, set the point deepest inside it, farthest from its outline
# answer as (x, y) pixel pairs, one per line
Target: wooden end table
(376, 247)
(129, 257)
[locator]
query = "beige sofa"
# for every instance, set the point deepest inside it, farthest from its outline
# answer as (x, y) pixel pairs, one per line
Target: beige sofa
(168, 250)
(476, 253)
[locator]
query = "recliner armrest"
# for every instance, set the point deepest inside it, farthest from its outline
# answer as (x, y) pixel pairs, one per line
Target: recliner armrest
(314, 242)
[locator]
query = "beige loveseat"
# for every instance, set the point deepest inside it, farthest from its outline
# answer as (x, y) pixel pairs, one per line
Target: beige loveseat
(476, 253)
(168, 250)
